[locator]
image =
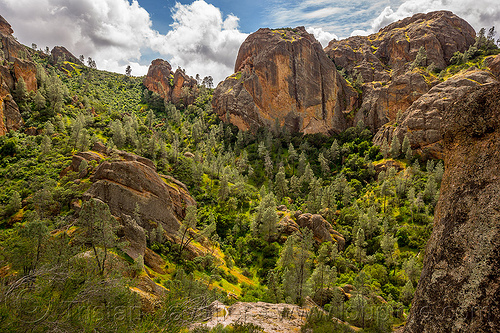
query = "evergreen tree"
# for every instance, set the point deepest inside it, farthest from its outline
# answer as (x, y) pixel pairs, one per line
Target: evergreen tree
(334, 151)
(280, 183)
(98, 230)
(39, 101)
(395, 147)
(21, 92)
(325, 168)
(266, 219)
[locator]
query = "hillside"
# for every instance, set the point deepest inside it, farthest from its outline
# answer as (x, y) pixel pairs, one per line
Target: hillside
(131, 204)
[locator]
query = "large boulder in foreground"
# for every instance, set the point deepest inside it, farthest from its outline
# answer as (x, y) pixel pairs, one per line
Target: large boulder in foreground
(284, 76)
(459, 289)
(384, 61)
(175, 87)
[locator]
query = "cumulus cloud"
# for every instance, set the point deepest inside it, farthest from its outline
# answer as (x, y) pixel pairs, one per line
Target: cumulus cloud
(479, 13)
(117, 33)
(324, 37)
(201, 40)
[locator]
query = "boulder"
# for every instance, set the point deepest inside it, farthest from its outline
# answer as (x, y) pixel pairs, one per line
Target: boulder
(283, 76)
(322, 230)
(459, 287)
(176, 87)
(383, 60)
(125, 184)
(422, 121)
(494, 65)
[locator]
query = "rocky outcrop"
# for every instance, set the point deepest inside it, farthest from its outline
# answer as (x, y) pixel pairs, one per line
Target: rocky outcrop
(271, 318)
(383, 60)
(494, 65)
(284, 76)
(459, 289)
(176, 87)
(61, 54)
(322, 230)
(15, 63)
(421, 122)
(125, 185)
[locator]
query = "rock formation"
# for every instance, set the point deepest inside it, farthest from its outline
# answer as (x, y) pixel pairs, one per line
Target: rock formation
(459, 289)
(284, 76)
(60, 53)
(272, 318)
(14, 64)
(383, 60)
(421, 122)
(176, 87)
(130, 185)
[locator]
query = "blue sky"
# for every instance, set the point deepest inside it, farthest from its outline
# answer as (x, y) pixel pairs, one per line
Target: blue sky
(203, 36)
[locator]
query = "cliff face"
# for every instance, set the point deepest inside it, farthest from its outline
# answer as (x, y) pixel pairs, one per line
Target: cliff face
(14, 64)
(175, 87)
(459, 289)
(60, 53)
(383, 60)
(285, 76)
(421, 122)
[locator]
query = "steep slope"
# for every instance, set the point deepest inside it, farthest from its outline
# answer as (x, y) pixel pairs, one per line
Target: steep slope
(284, 76)
(459, 287)
(383, 60)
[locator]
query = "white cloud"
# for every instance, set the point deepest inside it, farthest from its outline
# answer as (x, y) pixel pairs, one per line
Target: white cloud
(479, 13)
(201, 40)
(117, 33)
(324, 37)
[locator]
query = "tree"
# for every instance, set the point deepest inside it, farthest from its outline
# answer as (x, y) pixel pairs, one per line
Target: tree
(385, 148)
(420, 58)
(294, 264)
(266, 219)
(45, 145)
(334, 151)
(360, 245)
(128, 70)
(82, 58)
(14, 204)
(21, 91)
(39, 101)
(35, 234)
(325, 168)
(208, 81)
(189, 222)
(98, 230)
(407, 293)
(302, 163)
(280, 183)
(223, 189)
(395, 147)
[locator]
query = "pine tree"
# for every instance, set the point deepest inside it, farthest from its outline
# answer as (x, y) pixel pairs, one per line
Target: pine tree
(21, 92)
(46, 145)
(395, 147)
(280, 183)
(266, 219)
(98, 230)
(334, 151)
(39, 101)
(302, 164)
(325, 168)
(189, 222)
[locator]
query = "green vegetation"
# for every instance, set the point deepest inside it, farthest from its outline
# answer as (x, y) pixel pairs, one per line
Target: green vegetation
(380, 199)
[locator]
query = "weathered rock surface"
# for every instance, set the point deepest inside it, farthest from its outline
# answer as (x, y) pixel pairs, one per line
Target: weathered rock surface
(322, 230)
(125, 184)
(14, 63)
(265, 315)
(284, 75)
(459, 289)
(494, 66)
(422, 120)
(176, 87)
(383, 59)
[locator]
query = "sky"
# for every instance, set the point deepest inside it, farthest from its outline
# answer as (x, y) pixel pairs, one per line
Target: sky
(203, 36)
